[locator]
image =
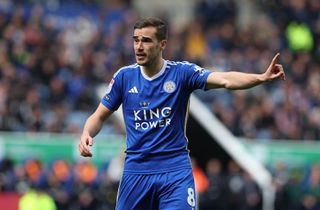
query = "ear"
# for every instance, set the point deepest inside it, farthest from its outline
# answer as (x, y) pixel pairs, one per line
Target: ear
(163, 44)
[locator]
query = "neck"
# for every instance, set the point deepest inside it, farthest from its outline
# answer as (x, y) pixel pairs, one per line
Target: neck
(154, 68)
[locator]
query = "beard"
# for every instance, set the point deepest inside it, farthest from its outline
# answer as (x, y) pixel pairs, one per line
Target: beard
(147, 60)
(142, 62)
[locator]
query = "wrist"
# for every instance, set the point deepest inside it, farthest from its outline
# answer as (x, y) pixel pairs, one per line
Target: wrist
(85, 133)
(262, 77)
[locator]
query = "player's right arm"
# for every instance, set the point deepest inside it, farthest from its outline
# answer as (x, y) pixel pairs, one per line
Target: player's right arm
(91, 128)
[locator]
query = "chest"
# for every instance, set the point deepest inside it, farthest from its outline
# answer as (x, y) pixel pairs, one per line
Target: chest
(152, 94)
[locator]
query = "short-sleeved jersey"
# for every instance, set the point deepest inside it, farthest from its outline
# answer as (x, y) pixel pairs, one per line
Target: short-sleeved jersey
(155, 113)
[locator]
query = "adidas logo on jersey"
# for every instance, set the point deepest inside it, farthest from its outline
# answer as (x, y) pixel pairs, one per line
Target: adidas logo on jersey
(133, 90)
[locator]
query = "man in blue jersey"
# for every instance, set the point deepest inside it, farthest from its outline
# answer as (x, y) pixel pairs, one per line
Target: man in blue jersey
(154, 94)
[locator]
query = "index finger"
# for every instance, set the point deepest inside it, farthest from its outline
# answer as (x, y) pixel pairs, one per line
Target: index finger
(275, 58)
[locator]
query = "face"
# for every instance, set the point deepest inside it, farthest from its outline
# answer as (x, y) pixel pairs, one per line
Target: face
(147, 48)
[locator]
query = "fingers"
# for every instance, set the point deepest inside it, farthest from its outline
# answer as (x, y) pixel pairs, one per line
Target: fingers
(282, 74)
(279, 72)
(85, 141)
(275, 70)
(84, 151)
(274, 60)
(90, 141)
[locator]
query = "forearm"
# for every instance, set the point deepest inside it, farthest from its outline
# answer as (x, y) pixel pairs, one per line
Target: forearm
(234, 80)
(239, 80)
(93, 125)
(95, 122)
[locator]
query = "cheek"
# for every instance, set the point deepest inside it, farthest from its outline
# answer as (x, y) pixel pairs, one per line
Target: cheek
(153, 50)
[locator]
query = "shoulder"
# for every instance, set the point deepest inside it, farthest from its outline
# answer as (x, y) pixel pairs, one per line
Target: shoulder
(183, 66)
(180, 64)
(126, 70)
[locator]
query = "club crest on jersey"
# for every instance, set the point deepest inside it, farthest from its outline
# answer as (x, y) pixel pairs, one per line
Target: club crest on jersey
(169, 86)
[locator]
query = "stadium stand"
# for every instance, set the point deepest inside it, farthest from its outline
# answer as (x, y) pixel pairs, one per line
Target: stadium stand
(53, 55)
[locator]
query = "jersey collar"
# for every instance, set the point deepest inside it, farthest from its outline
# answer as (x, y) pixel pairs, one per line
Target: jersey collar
(156, 75)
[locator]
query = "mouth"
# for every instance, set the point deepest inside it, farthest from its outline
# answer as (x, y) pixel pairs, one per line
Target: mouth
(140, 56)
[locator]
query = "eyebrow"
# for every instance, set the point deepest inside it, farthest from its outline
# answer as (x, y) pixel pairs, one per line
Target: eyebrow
(144, 38)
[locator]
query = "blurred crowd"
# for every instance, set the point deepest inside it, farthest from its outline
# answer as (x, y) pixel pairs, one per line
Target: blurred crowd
(71, 186)
(52, 59)
(230, 188)
(85, 186)
(247, 41)
(53, 56)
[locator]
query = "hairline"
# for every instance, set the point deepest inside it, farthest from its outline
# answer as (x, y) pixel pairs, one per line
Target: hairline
(153, 23)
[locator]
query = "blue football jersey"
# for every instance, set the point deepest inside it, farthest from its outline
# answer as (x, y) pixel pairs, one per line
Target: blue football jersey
(155, 113)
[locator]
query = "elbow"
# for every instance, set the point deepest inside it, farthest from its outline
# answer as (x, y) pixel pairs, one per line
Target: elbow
(234, 87)
(228, 85)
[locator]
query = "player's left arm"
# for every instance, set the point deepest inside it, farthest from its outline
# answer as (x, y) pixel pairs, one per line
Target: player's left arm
(235, 80)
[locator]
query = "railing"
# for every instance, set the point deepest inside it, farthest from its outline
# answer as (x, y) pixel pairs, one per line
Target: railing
(48, 147)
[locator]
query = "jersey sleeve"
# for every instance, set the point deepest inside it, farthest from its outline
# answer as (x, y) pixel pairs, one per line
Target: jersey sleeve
(196, 77)
(113, 96)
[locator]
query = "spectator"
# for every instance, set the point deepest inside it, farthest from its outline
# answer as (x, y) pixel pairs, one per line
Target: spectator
(235, 186)
(200, 178)
(36, 199)
(215, 196)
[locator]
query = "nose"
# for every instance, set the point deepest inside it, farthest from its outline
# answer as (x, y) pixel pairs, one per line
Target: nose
(139, 46)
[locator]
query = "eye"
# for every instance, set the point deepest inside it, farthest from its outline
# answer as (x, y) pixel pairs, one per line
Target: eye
(147, 40)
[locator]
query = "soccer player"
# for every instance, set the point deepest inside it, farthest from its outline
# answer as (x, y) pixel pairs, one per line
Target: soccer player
(154, 94)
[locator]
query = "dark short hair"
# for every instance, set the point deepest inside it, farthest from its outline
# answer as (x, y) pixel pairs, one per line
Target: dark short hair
(160, 25)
